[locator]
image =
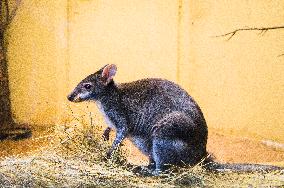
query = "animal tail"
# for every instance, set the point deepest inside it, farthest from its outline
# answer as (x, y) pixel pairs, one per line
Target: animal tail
(211, 165)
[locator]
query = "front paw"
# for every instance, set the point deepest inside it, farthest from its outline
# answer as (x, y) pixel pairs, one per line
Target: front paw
(106, 134)
(106, 137)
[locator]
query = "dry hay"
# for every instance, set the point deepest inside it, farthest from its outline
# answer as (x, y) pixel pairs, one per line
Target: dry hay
(75, 157)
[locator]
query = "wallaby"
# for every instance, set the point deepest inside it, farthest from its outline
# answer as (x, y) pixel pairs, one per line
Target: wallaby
(157, 115)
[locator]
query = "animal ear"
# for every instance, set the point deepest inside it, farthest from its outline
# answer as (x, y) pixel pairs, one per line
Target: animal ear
(108, 73)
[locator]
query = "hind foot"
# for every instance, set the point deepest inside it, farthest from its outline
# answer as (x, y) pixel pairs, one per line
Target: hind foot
(142, 170)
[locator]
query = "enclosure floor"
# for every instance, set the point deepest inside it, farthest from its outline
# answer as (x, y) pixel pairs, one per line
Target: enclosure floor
(41, 137)
(226, 148)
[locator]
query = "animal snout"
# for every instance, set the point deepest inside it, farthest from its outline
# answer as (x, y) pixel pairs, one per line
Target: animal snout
(70, 97)
(74, 97)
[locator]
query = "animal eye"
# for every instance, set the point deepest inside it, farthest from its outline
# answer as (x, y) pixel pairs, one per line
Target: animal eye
(87, 86)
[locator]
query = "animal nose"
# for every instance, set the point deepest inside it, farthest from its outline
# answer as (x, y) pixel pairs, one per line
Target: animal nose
(70, 97)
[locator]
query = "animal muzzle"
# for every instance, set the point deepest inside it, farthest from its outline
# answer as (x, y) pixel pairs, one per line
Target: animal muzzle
(74, 97)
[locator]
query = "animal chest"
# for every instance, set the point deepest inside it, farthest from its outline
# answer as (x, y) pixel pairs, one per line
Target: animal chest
(106, 118)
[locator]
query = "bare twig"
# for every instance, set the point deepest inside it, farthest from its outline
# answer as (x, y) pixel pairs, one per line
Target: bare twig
(280, 55)
(262, 30)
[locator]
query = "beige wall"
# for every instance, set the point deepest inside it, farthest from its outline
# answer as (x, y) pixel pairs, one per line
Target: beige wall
(36, 55)
(238, 83)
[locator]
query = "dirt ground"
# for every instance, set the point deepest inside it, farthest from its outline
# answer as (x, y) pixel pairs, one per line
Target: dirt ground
(41, 137)
(226, 148)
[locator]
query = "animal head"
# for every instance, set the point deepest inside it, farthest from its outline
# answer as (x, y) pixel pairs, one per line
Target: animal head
(94, 85)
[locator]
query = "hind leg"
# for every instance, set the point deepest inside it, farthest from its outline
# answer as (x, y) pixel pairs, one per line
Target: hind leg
(177, 141)
(168, 152)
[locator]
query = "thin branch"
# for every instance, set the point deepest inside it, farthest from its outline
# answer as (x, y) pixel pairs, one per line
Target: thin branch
(280, 55)
(262, 30)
